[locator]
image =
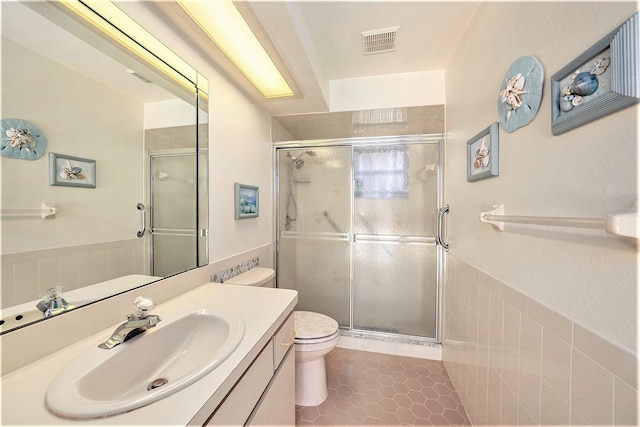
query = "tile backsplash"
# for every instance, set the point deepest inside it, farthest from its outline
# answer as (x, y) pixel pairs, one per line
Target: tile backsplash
(26, 276)
(226, 274)
(515, 361)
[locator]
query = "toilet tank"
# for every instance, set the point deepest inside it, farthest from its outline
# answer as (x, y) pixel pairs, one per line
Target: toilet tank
(258, 276)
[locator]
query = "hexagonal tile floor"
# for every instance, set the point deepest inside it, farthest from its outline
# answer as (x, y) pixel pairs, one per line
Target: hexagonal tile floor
(380, 389)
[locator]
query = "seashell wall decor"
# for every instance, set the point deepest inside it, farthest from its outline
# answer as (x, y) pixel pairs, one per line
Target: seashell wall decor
(20, 139)
(600, 81)
(521, 93)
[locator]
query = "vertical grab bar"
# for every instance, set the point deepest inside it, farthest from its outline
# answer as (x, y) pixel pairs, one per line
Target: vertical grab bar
(443, 210)
(143, 227)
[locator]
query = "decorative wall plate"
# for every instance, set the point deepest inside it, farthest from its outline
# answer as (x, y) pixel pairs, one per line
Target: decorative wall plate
(20, 139)
(520, 93)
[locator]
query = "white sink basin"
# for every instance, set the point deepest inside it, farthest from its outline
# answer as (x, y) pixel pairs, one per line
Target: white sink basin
(102, 382)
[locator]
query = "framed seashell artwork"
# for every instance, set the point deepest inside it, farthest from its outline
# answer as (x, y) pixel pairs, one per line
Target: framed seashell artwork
(521, 93)
(482, 154)
(602, 80)
(70, 171)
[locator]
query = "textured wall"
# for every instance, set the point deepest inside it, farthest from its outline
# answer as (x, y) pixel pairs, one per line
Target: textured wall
(588, 276)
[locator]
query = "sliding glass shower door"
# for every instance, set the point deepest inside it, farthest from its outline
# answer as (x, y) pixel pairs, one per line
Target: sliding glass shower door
(314, 225)
(356, 234)
(394, 250)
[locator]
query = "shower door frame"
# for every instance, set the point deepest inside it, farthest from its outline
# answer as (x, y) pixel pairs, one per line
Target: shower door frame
(363, 142)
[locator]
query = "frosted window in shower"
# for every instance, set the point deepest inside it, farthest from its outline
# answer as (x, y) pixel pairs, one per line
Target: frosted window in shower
(412, 214)
(381, 173)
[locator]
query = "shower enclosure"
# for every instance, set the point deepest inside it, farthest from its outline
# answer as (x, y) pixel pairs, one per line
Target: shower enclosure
(356, 231)
(174, 202)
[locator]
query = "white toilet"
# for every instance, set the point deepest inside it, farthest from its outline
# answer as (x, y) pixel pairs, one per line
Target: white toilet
(316, 336)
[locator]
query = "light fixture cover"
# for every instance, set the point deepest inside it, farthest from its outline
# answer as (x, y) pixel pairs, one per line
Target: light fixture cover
(225, 26)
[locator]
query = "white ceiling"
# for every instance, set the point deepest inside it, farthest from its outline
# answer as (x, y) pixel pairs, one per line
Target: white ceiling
(427, 34)
(320, 41)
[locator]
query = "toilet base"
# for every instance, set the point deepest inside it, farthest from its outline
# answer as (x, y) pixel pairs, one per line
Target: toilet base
(311, 382)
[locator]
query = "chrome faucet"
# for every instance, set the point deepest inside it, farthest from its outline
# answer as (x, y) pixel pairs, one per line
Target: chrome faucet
(53, 302)
(137, 322)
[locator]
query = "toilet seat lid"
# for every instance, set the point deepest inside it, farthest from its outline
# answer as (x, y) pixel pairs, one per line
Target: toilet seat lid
(310, 325)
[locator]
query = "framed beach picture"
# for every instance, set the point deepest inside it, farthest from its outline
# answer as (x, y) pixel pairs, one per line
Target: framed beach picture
(71, 171)
(246, 201)
(482, 154)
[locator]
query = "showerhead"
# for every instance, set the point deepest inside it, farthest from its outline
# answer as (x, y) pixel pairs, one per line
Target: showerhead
(298, 161)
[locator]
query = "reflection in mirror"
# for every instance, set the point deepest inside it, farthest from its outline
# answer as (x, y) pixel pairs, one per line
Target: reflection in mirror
(146, 129)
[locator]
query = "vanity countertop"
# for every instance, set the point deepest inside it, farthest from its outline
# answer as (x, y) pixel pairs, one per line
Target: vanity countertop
(262, 309)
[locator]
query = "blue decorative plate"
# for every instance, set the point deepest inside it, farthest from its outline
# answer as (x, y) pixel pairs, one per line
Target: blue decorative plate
(20, 139)
(520, 93)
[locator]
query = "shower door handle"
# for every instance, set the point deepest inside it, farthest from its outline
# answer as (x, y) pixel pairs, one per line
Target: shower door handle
(443, 210)
(143, 226)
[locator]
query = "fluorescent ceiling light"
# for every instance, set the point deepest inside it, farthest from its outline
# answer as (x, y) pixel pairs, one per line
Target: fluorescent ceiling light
(224, 25)
(120, 27)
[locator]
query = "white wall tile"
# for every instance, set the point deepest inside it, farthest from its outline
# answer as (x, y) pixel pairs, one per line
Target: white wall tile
(554, 409)
(71, 267)
(626, 404)
(619, 361)
(533, 361)
(509, 406)
(591, 390)
(26, 272)
(556, 363)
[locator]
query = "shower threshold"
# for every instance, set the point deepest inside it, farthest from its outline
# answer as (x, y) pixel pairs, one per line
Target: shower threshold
(399, 345)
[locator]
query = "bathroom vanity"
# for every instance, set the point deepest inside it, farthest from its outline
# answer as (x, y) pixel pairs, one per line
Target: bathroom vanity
(254, 385)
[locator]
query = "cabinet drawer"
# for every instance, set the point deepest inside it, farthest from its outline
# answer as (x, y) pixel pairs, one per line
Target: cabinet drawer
(282, 340)
(241, 400)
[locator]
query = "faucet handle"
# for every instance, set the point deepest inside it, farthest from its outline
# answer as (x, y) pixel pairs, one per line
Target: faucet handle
(142, 307)
(53, 293)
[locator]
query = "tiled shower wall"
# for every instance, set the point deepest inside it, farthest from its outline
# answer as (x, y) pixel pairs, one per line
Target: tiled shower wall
(26, 276)
(514, 361)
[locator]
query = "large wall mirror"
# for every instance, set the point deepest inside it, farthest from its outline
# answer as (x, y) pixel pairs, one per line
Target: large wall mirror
(139, 128)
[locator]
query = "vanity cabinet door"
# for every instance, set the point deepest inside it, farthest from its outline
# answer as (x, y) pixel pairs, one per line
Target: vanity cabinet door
(277, 407)
(240, 402)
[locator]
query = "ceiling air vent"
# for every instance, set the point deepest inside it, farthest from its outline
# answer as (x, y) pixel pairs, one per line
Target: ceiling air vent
(378, 41)
(141, 77)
